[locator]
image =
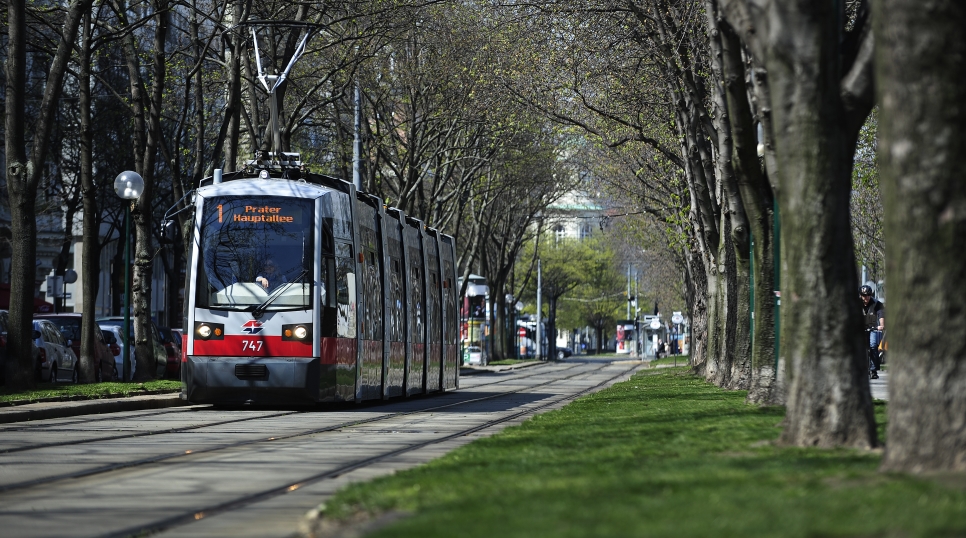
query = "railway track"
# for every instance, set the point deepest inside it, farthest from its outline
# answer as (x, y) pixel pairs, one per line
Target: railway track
(416, 424)
(195, 452)
(55, 423)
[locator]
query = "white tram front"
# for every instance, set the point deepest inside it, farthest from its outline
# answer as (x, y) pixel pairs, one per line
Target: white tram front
(305, 290)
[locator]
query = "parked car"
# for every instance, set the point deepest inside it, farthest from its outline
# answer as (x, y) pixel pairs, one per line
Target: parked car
(4, 322)
(563, 353)
(115, 349)
(57, 360)
(111, 341)
(116, 325)
(69, 325)
(474, 355)
(172, 346)
(179, 335)
(115, 335)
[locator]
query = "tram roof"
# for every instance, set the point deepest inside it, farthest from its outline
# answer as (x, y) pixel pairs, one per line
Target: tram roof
(271, 180)
(267, 187)
(295, 175)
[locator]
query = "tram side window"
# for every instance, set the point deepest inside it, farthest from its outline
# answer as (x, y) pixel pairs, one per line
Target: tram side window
(372, 298)
(329, 304)
(345, 292)
(435, 309)
(416, 307)
(395, 314)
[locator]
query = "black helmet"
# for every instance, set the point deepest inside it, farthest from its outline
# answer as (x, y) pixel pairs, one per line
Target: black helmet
(866, 291)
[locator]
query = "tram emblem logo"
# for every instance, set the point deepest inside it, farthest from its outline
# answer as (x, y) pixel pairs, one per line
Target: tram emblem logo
(252, 327)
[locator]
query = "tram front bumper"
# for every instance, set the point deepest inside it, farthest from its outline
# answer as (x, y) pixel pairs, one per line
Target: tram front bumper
(251, 380)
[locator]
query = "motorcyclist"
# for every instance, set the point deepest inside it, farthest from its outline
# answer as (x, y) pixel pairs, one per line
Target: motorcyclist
(874, 314)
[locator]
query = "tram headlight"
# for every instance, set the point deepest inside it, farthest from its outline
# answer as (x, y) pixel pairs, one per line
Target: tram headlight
(297, 332)
(209, 331)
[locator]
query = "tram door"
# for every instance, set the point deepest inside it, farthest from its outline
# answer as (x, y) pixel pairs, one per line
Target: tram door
(370, 303)
(450, 315)
(434, 317)
(416, 309)
(340, 349)
(395, 358)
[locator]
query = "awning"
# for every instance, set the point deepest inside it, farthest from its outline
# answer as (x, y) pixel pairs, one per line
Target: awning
(40, 306)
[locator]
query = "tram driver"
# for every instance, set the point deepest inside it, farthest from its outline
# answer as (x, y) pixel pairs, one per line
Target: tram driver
(270, 277)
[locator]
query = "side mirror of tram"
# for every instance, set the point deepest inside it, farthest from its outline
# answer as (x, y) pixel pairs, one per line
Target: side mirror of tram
(169, 231)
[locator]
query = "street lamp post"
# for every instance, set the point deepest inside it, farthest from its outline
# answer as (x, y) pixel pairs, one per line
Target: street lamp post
(128, 186)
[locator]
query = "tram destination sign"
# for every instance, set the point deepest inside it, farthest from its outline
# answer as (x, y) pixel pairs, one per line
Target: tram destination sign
(258, 214)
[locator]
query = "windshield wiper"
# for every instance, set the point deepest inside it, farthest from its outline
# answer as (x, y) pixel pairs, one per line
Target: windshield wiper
(259, 310)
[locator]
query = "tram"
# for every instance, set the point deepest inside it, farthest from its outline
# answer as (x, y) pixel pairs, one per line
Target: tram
(302, 289)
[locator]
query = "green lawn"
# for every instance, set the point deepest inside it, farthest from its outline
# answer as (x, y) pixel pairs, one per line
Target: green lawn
(509, 362)
(673, 360)
(663, 454)
(46, 391)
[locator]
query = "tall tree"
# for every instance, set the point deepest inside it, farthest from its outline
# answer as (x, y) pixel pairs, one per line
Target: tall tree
(24, 172)
(565, 264)
(820, 91)
(145, 108)
(920, 61)
(90, 224)
(733, 78)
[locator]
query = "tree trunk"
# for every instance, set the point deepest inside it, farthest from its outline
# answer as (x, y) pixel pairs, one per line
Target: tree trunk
(21, 193)
(740, 376)
(498, 348)
(829, 403)
(715, 327)
(765, 385)
(757, 201)
(147, 112)
(233, 106)
(90, 256)
(551, 351)
(23, 177)
(697, 300)
(198, 47)
(922, 145)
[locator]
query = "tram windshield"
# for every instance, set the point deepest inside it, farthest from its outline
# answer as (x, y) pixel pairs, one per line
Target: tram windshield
(253, 248)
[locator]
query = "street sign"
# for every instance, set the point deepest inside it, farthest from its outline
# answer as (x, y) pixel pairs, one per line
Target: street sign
(677, 318)
(55, 286)
(522, 332)
(655, 324)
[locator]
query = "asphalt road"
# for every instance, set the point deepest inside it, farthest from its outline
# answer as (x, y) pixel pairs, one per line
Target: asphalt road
(201, 471)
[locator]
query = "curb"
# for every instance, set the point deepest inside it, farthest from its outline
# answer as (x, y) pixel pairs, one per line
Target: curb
(89, 407)
(476, 370)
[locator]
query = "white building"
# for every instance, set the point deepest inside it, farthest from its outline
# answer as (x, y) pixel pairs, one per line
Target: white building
(576, 215)
(105, 300)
